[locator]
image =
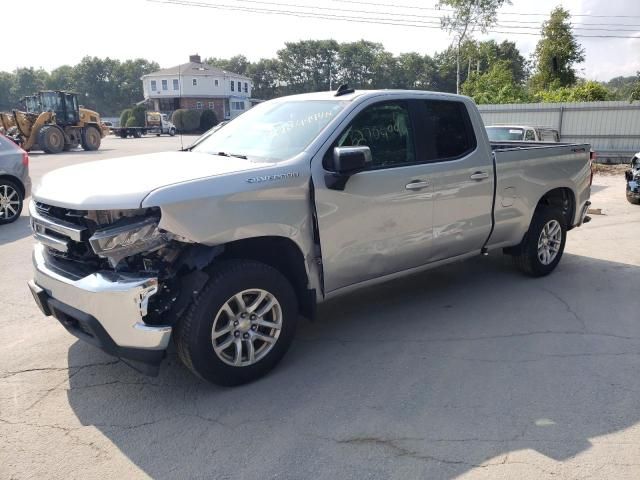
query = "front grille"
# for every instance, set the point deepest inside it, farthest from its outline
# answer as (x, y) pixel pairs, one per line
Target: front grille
(65, 232)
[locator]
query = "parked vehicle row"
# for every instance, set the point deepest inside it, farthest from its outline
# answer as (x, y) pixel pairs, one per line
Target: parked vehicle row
(300, 199)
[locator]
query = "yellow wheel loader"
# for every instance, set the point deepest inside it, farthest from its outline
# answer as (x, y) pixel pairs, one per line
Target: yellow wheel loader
(54, 122)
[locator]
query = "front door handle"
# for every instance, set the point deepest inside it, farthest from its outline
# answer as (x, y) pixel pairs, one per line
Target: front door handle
(479, 176)
(417, 185)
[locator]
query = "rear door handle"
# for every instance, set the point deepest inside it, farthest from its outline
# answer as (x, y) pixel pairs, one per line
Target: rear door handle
(479, 176)
(417, 185)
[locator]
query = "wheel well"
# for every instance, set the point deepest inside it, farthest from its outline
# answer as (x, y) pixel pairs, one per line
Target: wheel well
(562, 198)
(282, 254)
(15, 180)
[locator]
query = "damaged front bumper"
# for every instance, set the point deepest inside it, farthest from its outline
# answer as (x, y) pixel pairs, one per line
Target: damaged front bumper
(105, 309)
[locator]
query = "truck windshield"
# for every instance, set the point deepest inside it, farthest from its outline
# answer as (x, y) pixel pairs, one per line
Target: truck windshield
(272, 130)
(501, 134)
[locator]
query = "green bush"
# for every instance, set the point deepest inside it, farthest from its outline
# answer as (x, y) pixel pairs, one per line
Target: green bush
(124, 116)
(191, 120)
(139, 112)
(131, 122)
(208, 120)
(177, 119)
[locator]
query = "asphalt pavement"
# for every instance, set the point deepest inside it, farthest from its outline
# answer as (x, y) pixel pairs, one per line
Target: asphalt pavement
(468, 371)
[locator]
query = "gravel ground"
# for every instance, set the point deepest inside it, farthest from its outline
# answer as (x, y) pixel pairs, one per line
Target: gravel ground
(469, 371)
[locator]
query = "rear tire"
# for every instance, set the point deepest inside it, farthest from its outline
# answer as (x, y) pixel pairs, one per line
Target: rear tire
(11, 201)
(51, 139)
(172, 132)
(542, 248)
(136, 134)
(217, 318)
(90, 138)
(123, 134)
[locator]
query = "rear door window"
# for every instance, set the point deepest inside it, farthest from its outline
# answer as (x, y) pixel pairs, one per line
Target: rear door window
(446, 131)
(530, 136)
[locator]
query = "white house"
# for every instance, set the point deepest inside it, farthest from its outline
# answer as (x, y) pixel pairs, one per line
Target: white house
(197, 85)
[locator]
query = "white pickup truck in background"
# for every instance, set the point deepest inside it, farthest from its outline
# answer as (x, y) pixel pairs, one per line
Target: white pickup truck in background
(300, 199)
(520, 133)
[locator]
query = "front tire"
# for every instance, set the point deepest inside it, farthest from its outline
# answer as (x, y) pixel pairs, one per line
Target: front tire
(51, 139)
(240, 325)
(90, 139)
(543, 246)
(11, 201)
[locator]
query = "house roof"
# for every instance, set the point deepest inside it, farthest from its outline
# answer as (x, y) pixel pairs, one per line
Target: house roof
(194, 69)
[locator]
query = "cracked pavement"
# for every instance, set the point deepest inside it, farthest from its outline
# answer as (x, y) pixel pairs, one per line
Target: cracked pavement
(469, 371)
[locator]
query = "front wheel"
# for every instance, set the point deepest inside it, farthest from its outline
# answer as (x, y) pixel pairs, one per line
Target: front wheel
(172, 132)
(542, 248)
(240, 325)
(11, 201)
(90, 138)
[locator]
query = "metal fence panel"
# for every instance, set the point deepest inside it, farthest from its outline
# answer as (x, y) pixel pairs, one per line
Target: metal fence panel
(612, 128)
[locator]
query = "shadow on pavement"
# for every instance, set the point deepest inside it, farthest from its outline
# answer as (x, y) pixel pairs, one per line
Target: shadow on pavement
(16, 230)
(425, 377)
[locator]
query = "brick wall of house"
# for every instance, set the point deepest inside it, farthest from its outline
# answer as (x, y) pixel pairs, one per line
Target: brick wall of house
(192, 103)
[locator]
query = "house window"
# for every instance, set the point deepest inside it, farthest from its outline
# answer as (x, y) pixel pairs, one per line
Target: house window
(210, 105)
(239, 86)
(246, 87)
(176, 85)
(237, 105)
(154, 85)
(233, 85)
(216, 82)
(199, 105)
(165, 85)
(194, 82)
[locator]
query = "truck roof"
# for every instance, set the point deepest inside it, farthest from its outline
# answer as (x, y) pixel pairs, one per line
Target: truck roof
(331, 95)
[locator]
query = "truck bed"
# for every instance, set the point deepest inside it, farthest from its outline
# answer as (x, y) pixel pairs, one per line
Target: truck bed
(524, 172)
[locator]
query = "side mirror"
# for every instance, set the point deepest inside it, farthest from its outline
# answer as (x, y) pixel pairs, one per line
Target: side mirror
(347, 161)
(628, 175)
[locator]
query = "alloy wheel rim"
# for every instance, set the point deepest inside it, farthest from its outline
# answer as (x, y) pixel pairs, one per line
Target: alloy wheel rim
(549, 242)
(246, 327)
(9, 202)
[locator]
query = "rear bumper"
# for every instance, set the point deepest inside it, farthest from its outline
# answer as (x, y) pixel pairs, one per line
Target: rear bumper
(583, 214)
(105, 309)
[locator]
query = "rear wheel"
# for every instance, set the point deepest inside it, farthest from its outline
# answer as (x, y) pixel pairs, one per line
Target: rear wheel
(123, 134)
(240, 325)
(542, 248)
(136, 133)
(51, 139)
(10, 201)
(90, 138)
(172, 132)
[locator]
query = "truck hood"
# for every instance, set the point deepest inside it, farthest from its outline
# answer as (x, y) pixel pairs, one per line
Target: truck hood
(122, 183)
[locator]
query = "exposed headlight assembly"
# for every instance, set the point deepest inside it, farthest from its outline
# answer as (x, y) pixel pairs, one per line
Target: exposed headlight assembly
(120, 241)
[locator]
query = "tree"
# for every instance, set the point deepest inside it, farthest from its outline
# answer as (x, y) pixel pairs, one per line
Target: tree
(265, 76)
(61, 78)
(588, 91)
(6, 82)
(495, 86)
(27, 81)
(124, 116)
(466, 16)
(635, 92)
(557, 53)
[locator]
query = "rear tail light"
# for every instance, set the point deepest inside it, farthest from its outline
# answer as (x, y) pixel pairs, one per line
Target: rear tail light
(592, 160)
(25, 159)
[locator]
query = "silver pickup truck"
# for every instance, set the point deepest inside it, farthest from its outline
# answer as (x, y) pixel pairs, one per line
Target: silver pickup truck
(223, 246)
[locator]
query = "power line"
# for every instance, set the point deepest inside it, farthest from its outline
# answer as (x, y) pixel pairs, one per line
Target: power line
(414, 7)
(368, 20)
(414, 16)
